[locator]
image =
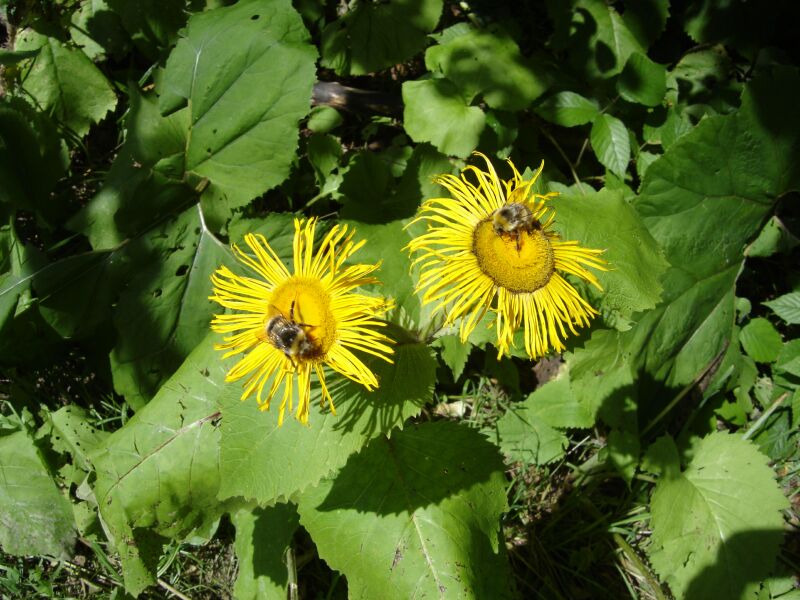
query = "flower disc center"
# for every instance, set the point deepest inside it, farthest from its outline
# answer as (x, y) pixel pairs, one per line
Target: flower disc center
(304, 300)
(520, 262)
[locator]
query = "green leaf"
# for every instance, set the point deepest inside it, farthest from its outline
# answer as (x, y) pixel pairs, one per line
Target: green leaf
(19, 263)
(246, 72)
(646, 19)
(761, 340)
(593, 36)
(711, 185)
(487, 63)
(436, 112)
(636, 263)
(164, 311)
(386, 243)
(568, 109)
(65, 83)
(643, 161)
(151, 24)
(672, 125)
(774, 238)
(35, 518)
(717, 525)
(707, 76)
(98, 30)
(526, 437)
(787, 307)
(371, 36)
(555, 404)
(146, 182)
(623, 453)
(324, 119)
(260, 460)
(324, 152)
(611, 143)
(454, 353)
(642, 81)
(32, 157)
(262, 537)
(77, 292)
(788, 360)
(73, 434)
(415, 515)
(174, 441)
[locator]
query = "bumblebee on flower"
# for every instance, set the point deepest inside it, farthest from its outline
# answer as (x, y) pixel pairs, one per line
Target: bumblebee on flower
(290, 325)
(492, 247)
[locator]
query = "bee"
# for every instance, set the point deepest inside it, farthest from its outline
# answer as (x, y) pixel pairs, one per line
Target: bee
(512, 219)
(288, 336)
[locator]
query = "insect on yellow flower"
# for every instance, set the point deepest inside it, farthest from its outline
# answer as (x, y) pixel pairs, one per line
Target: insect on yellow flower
(292, 324)
(491, 247)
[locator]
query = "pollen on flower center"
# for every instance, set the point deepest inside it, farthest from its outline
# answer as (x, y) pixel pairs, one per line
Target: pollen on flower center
(304, 300)
(518, 265)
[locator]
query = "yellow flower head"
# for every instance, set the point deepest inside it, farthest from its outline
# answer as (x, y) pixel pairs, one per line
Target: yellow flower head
(491, 247)
(292, 324)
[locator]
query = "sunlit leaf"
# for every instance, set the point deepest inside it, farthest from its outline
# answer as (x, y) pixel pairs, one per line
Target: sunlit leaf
(437, 112)
(717, 525)
(245, 72)
(65, 83)
(173, 440)
(266, 462)
(35, 518)
(787, 307)
(417, 514)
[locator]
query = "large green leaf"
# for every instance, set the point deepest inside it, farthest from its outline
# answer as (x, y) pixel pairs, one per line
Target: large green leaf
(262, 537)
(266, 462)
(702, 201)
(487, 63)
(35, 517)
(65, 83)
(370, 36)
(245, 72)
(415, 515)
(437, 112)
(717, 525)
(159, 474)
(164, 312)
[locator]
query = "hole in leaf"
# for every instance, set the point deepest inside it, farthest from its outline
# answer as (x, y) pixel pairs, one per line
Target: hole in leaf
(157, 293)
(182, 270)
(254, 17)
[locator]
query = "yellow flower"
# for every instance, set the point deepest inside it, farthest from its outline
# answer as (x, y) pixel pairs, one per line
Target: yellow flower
(292, 324)
(491, 247)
